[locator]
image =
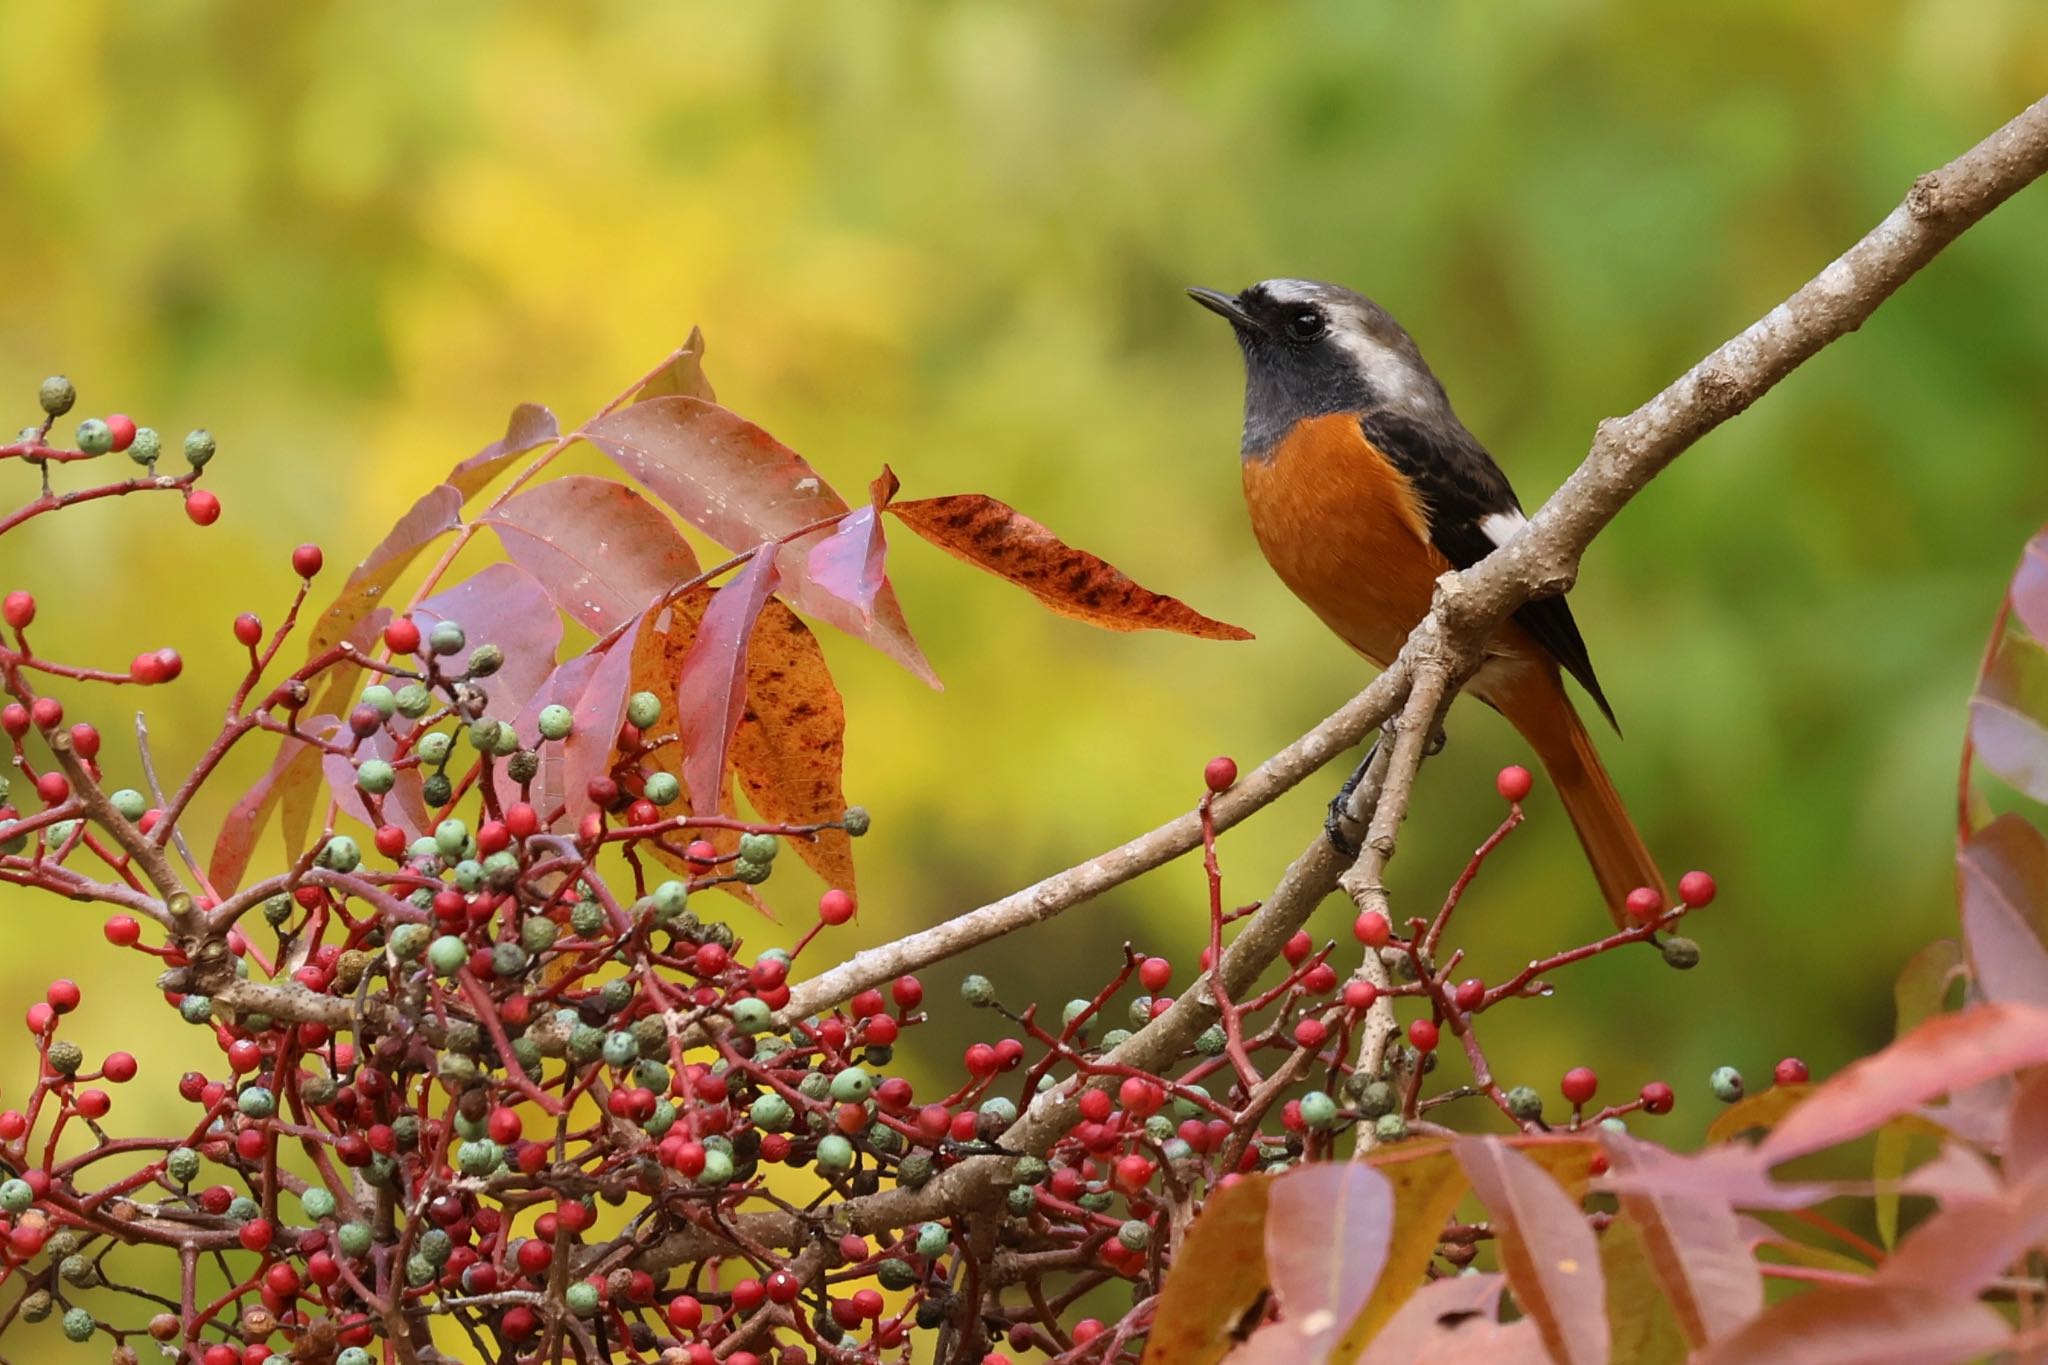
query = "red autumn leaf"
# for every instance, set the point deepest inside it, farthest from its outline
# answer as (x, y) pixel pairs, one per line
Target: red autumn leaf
(1879, 1324)
(996, 537)
(1947, 1052)
(1551, 1256)
(711, 693)
(437, 512)
(1963, 1247)
(506, 606)
(601, 550)
(2030, 587)
(530, 425)
(2004, 876)
(2009, 715)
(404, 805)
(849, 562)
(681, 374)
(1327, 1230)
(791, 744)
(1954, 1173)
(1432, 1311)
(1219, 1274)
(594, 686)
(2026, 1131)
(297, 765)
(1695, 1250)
(740, 486)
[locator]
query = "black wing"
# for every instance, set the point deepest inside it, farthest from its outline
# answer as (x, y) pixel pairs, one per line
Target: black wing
(1460, 487)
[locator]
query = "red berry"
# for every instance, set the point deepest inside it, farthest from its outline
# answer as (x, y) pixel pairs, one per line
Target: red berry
(46, 712)
(1372, 929)
(1424, 1034)
(684, 1313)
(255, 1234)
(1095, 1105)
(748, 1295)
(1154, 973)
(93, 1104)
(835, 906)
(1791, 1071)
(1513, 783)
(1579, 1084)
(62, 995)
(981, 1061)
(907, 992)
(878, 1031)
(1359, 995)
(865, 1003)
(492, 836)
(1221, 774)
(1469, 994)
(783, 1287)
(249, 629)
(202, 506)
(1298, 948)
(123, 931)
(523, 820)
(122, 428)
(1696, 889)
(119, 1067)
(391, 840)
(1139, 1097)
(1657, 1098)
(1310, 1033)
(19, 609)
(85, 741)
(1133, 1172)
(53, 787)
(401, 636)
(306, 560)
(1644, 903)
(14, 719)
(1320, 979)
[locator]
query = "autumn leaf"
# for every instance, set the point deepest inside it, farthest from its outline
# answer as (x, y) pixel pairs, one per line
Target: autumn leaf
(2029, 593)
(297, 764)
(1327, 1228)
(740, 486)
(1694, 1249)
(849, 562)
(601, 550)
(2004, 876)
(530, 425)
(2009, 715)
(1963, 1247)
(1434, 1310)
(502, 605)
(790, 747)
(1639, 1316)
(2026, 1131)
(682, 374)
(1218, 1278)
(993, 536)
(1427, 1183)
(1551, 1256)
(1879, 1324)
(711, 693)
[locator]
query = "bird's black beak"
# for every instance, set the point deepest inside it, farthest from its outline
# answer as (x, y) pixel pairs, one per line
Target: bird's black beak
(1227, 305)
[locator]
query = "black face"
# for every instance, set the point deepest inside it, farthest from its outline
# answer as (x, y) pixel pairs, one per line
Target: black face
(1293, 368)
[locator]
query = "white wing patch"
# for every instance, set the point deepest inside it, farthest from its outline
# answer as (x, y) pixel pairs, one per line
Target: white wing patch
(1500, 527)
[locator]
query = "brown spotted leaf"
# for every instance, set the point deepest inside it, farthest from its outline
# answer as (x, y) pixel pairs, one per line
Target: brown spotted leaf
(996, 537)
(1218, 1279)
(791, 743)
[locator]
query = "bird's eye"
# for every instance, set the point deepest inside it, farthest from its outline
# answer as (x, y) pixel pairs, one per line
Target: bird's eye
(1305, 324)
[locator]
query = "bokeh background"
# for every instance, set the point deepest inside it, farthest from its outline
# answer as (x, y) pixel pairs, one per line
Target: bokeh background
(349, 237)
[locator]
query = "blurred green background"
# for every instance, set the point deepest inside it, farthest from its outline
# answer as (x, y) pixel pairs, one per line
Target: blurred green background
(953, 237)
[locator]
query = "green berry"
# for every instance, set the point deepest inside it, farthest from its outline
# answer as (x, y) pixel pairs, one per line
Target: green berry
(752, 873)
(375, 776)
(670, 899)
(751, 1015)
(317, 1203)
(855, 822)
(1318, 1110)
(446, 638)
(621, 1049)
(581, 1296)
(1376, 1100)
(1021, 1199)
(932, 1240)
(1525, 1103)
(999, 1109)
(485, 660)
(1726, 1083)
(1682, 953)
(480, 1157)
(501, 869)
(341, 854)
(198, 447)
(587, 918)
(353, 1238)
(433, 746)
(717, 1166)
(852, 1084)
(663, 789)
(448, 954)
(895, 1275)
(78, 1270)
(95, 437)
(835, 1153)
(57, 395)
(643, 709)
(556, 721)
(1117, 1037)
(483, 734)
(1210, 1042)
(353, 1355)
(770, 1113)
(79, 1324)
(16, 1195)
(537, 934)
(452, 838)
(408, 941)
(380, 699)
(437, 790)
(1390, 1128)
(508, 959)
(977, 990)
(413, 701)
(130, 802)
(1135, 1234)
(814, 1085)
(759, 848)
(66, 1057)
(146, 447)
(182, 1164)
(256, 1102)
(196, 1009)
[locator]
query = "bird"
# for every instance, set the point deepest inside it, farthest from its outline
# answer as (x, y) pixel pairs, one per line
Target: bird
(1364, 486)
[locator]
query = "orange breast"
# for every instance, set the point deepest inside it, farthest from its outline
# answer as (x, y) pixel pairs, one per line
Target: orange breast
(1345, 531)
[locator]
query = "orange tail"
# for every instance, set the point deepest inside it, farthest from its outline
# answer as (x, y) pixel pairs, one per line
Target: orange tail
(1537, 706)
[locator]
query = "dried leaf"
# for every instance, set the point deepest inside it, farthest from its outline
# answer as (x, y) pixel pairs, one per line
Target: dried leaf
(1863, 1325)
(1945, 1053)
(1436, 1309)
(1218, 1277)
(711, 693)
(1551, 1257)
(994, 536)
(2030, 587)
(1427, 1182)
(740, 486)
(601, 550)
(1327, 1232)
(1963, 1247)
(2009, 715)
(2004, 875)
(791, 744)
(1694, 1248)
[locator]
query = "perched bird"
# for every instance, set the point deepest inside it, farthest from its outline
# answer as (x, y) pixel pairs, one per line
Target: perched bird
(1364, 486)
